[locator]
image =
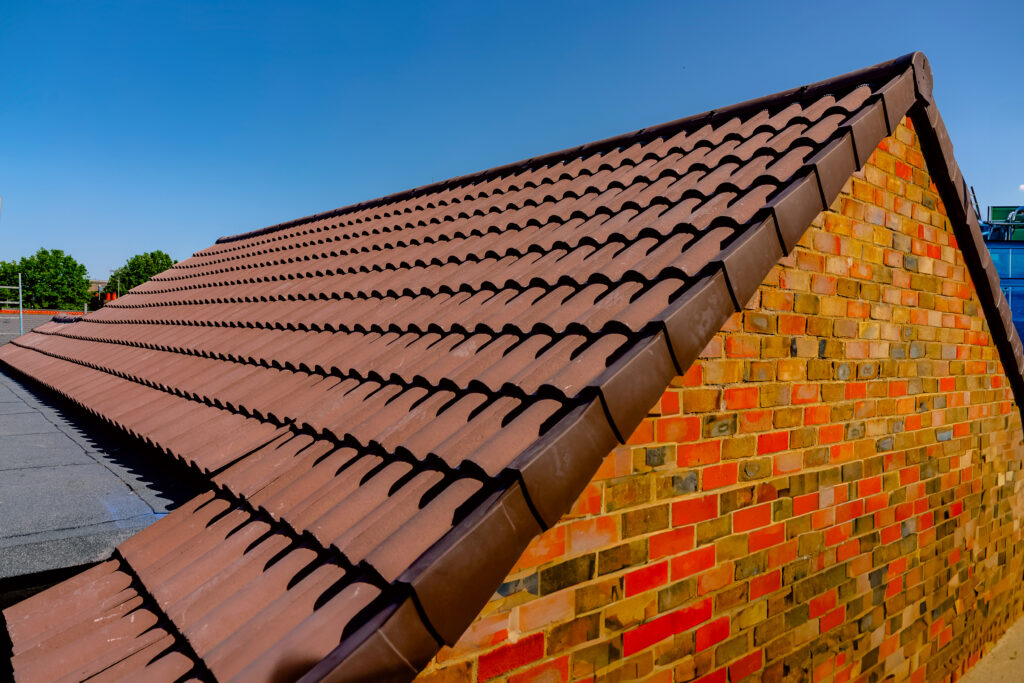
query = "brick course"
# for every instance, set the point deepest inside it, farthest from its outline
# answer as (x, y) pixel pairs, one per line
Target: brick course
(828, 494)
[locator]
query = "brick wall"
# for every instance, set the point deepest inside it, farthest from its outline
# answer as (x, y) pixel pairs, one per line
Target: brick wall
(829, 494)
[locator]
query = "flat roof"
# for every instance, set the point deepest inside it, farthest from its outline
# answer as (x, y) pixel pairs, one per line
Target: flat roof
(70, 488)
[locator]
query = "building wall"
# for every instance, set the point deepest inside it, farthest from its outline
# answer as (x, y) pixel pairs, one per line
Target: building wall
(829, 494)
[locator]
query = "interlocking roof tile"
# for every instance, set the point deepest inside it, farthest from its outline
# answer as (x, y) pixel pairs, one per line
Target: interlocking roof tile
(391, 399)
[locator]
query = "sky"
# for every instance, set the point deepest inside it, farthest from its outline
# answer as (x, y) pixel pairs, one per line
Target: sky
(134, 126)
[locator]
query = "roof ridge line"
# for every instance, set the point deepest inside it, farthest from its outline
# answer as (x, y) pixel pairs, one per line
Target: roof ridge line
(861, 76)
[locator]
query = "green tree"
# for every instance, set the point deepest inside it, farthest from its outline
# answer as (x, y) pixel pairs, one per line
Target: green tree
(49, 279)
(139, 269)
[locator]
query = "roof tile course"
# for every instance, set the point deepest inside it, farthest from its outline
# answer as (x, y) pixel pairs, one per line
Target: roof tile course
(391, 400)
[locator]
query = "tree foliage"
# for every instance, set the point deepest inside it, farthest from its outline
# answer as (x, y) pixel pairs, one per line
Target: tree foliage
(49, 279)
(139, 269)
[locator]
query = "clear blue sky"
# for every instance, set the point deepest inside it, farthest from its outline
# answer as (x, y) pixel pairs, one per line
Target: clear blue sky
(127, 127)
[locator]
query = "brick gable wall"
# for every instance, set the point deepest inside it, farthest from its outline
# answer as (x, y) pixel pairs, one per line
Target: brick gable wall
(829, 494)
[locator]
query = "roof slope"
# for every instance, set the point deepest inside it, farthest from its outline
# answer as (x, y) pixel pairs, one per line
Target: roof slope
(391, 399)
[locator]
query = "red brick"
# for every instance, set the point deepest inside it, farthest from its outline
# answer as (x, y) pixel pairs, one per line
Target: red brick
(692, 562)
(646, 578)
(891, 533)
(805, 503)
(678, 429)
(861, 564)
(693, 510)
(822, 603)
(670, 542)
(669, 403)
(847, 550)
(823, 518)
(896, 567)
(897, 388)
(739, 398)
(772, 443)
(688, 617)
(832, 433)
(659, 629)
(855, 390)
(859, 309)
(712, 634)
(876, 502)
(701, 453)
(841, 452)
(751, 517)
(904, 511)
(816, 415)
(694, 377)
(852, 510)
(783, 554)
(869, 487)
(829, 621)
(766, 538)
(909, 475)
(765, 584)
(792, 324)
(742, 346)
(837, 534)
(509, 657)
(716, 476)
(745, 666)
(645, 635)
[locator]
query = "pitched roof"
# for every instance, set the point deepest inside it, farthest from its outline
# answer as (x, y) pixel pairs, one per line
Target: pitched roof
(391, 399)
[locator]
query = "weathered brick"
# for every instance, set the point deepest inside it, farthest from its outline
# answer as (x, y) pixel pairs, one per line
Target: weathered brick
(565, 574)
(572, 633)
(627, 493)
(644, 521)
(596, 595)
(621, 556)
(713, 528)
(587, 660)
